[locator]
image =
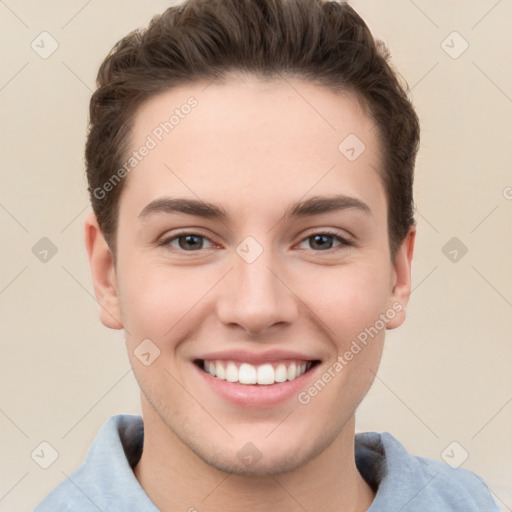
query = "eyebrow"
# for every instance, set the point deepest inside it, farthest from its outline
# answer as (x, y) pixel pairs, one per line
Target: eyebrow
(320, 204)
(187, 206)
(312, 206)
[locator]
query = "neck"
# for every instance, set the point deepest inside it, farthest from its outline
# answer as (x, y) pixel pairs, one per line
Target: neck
(175, 479)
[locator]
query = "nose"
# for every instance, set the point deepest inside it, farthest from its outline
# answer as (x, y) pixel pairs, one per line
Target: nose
(256, 296)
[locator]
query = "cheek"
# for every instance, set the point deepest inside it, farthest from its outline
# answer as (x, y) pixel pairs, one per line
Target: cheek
(156, 299)
(158, 309)
(347, 299)
(349, 304)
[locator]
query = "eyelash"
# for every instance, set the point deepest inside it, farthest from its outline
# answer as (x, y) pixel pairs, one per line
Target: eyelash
(343, 242)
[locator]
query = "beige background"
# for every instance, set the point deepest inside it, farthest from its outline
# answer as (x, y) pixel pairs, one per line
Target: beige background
(446, 374)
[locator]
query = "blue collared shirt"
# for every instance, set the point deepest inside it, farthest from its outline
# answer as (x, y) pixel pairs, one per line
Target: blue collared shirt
(106, 482)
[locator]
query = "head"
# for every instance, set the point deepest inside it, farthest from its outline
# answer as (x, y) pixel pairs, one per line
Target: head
(250, 168)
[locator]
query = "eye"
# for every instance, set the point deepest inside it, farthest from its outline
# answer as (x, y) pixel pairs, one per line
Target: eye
(325, 241)
(191, 242)
(188, 242)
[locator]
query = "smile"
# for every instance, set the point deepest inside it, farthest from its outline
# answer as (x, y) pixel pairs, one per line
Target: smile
(263, 374)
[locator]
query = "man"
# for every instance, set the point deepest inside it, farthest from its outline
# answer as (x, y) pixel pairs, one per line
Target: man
(250, 168)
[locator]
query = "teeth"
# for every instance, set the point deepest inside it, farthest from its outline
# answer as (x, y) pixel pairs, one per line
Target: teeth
(232, 372)
(280, 374)
(247, 374)
(265, 374)
(219, 371)
(291, 372)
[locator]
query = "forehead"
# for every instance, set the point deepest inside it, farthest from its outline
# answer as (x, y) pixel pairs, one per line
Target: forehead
(251, 139)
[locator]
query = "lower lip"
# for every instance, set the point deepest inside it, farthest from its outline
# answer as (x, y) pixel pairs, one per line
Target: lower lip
(254, 395)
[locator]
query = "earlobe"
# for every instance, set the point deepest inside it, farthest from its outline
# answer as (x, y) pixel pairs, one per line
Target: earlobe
(103, 273)
(401, 289)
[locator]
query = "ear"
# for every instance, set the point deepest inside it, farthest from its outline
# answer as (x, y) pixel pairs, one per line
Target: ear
(103, 273)
(401, 280)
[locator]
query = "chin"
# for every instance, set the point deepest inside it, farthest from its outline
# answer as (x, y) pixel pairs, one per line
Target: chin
(264, 467)
(262, 459)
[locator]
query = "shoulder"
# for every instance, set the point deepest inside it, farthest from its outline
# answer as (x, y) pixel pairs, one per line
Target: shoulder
(417, 483)
(65, 498)
(105, 480)
(456, 486)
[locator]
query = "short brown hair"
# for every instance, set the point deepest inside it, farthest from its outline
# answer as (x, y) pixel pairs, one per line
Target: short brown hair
(323, 42)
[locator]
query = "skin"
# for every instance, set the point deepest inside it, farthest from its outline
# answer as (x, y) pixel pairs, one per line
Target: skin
(253, 148)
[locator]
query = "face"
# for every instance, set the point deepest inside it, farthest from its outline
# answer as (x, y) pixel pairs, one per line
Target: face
(253, 275)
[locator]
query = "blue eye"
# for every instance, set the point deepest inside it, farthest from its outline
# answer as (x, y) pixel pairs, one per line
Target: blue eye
(325, 241)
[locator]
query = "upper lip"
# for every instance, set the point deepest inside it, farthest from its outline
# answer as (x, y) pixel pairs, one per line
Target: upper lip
(245, 356)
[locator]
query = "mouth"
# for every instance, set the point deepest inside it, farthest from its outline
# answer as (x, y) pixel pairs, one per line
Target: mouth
(265, 374)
